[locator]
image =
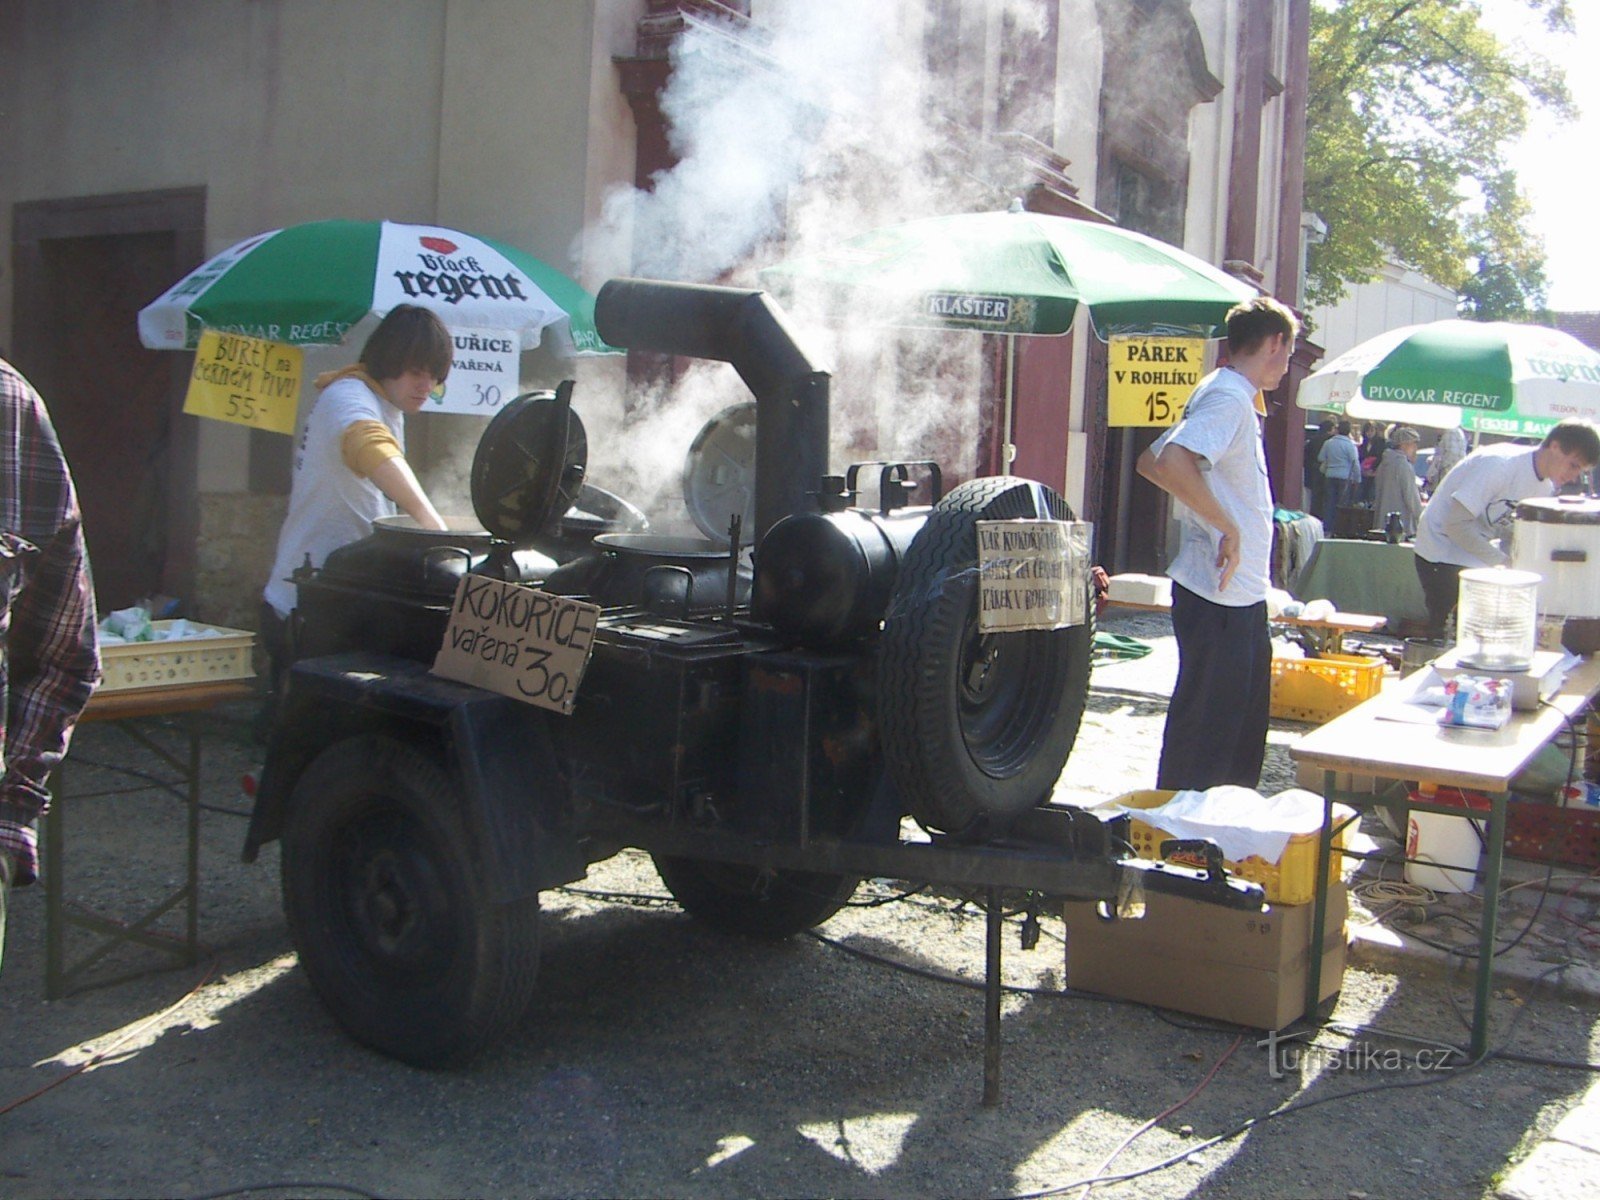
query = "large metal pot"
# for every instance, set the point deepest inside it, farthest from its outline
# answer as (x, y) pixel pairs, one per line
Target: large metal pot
(676, 575)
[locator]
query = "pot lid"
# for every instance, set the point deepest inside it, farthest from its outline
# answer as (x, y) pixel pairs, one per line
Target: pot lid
(529, 465)
(1561, 510)
(719, 476)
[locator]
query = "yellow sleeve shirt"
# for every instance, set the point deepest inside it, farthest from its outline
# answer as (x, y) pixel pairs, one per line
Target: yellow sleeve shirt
(367, 445)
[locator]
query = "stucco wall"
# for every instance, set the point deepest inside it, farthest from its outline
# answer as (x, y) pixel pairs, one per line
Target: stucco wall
(471, 113)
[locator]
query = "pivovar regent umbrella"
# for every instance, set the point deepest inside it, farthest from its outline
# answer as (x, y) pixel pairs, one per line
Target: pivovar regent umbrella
(1484, 376)
(1016, 272)
(310, 284)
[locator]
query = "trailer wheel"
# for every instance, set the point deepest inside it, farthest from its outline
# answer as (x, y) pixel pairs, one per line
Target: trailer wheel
(976, 727)
(387, 909)
(751, 902)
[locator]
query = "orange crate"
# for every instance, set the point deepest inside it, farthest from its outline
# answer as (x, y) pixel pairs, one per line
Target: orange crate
(1290, 880)
(1319, 689)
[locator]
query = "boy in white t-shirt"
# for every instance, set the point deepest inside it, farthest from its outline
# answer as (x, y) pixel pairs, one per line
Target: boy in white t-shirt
(1213, 463)
(1474, 504)
(350, 466)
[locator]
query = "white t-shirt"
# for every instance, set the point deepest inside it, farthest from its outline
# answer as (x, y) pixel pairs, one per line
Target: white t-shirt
(1221, 426)
(1488, 483)
(329, 504)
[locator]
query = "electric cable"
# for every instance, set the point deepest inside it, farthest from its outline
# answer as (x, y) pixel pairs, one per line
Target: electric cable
(1161, 1116)
(289, 1185)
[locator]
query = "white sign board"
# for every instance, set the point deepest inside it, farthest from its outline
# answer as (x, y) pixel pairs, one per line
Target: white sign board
(518, 641)
(1032, 574)
(483, 373)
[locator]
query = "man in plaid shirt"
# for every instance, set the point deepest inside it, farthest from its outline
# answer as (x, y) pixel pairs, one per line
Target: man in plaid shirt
(49, 658)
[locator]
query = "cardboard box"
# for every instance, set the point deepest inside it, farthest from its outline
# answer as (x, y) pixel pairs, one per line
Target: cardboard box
(1245, 967)
(1140, 589)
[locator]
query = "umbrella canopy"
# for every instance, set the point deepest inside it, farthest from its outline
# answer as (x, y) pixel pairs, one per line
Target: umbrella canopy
(1485, 376)
(1020, 272)
(310, 284)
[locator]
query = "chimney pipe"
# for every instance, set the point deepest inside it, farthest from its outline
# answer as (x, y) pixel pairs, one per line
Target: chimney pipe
(748, 330)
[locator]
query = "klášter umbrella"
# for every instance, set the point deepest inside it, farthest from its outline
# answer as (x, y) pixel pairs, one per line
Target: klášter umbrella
(1484, 376)
(310, 284)
(1019, 272)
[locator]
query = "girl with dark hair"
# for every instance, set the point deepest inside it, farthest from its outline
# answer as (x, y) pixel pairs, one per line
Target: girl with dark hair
(350, 466)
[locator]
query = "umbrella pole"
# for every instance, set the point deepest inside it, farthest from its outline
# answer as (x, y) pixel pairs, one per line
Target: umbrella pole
(1008, 449)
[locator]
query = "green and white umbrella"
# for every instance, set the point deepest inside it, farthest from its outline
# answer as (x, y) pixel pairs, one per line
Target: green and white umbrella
(1017, 272)
(311, 284)
(1484, 376)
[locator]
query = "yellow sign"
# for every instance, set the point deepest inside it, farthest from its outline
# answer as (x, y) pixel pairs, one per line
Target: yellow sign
(245, 380)
(1150, 379)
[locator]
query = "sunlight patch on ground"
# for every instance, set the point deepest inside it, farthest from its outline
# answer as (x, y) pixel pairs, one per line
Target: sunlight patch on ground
(197, 1011)
(728, 1147)
(870, 1143)
(1080, 1147)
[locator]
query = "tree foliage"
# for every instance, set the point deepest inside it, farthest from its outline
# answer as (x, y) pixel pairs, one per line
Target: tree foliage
(1411, 109)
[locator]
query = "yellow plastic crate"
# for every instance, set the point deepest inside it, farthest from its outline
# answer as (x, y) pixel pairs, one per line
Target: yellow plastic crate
(1290, 880)
(1319, 689)
(134, 666)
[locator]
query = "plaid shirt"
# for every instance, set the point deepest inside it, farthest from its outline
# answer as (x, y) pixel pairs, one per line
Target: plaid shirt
(49, 659)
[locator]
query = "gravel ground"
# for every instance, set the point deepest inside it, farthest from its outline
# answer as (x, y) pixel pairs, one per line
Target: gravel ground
(660, 1058)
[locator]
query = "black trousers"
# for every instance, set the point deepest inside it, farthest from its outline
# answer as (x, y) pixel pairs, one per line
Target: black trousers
(1441, 585)
(1217, 722)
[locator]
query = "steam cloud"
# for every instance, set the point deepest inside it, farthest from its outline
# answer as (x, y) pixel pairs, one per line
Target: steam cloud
(818, 122)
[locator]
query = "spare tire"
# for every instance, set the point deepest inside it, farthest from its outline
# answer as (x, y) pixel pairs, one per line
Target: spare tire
(976, 727)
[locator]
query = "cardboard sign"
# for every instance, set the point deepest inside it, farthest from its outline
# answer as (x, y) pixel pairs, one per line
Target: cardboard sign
(1032, 574)
(1150, 379)
(483, 373)
(518, 641)
(245, 380)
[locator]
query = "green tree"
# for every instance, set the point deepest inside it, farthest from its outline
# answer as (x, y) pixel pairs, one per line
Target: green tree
(1411, 108)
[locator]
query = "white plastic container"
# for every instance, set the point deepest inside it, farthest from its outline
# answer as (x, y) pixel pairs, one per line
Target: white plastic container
(1559, 538)
(1497, 618)
(1451, 848)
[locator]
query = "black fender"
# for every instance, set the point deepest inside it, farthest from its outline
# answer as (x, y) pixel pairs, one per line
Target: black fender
(517, 795)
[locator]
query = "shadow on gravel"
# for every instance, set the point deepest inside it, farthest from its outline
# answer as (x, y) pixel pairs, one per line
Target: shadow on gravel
(660, 1058)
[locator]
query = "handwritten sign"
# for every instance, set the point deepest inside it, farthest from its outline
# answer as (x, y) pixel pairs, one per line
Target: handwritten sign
(1032, 574)
(518, 641)
(1150, 379)
(245, 380)
(483, 373)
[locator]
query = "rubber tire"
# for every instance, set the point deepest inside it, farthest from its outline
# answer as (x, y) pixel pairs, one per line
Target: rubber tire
(749, 902)
(965, 759)
(459, 972)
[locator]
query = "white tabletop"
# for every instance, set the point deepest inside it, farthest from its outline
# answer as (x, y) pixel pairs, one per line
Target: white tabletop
(1363, 741)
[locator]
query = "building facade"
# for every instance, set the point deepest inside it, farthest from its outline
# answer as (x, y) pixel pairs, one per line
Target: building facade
(684, 138)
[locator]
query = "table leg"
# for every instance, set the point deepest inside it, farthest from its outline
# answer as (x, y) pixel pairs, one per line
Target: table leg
(54, 930)
(192, 940)
(1319, 912)
(1491, 922)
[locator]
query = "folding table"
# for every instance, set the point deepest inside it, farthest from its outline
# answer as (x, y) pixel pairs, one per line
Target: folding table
(1364, 741)
(136, 714)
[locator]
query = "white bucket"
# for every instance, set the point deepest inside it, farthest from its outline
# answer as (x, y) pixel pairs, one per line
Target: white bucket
(1450, 847)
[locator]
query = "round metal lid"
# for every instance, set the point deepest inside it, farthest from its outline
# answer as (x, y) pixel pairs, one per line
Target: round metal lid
(1560, 510)
(529, 465)
(719, 476)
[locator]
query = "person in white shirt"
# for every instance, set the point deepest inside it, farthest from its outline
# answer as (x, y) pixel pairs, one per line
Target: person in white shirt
(350, 466)
(1214, 464)
(1475, 503)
